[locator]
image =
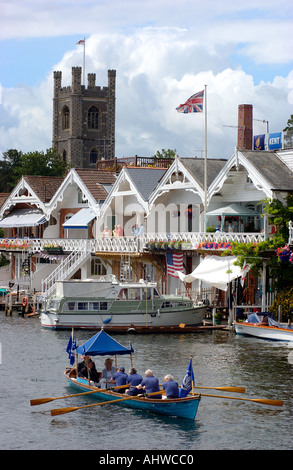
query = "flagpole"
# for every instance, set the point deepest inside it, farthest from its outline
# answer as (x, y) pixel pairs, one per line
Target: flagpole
(84, 60)
(192, 382)
(205, 157)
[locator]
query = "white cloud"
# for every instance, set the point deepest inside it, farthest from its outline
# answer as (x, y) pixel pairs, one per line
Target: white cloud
(157, 69)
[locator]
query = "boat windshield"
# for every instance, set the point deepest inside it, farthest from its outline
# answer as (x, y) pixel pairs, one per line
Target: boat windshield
(130, 293)
(53, 304)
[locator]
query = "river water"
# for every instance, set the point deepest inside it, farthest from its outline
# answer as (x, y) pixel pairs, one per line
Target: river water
(33, 361)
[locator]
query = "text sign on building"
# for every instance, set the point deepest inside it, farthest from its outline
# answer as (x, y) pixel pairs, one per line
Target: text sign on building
(275, 141)
(259, 142)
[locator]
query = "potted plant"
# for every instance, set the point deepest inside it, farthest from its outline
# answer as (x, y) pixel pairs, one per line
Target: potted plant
(218, 316)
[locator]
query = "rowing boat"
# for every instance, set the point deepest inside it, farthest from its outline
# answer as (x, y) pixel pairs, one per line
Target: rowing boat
(175, 407)
(102, 344)
(271, 330)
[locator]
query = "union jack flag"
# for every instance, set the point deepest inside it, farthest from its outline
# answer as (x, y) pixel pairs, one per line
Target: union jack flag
(194, 104)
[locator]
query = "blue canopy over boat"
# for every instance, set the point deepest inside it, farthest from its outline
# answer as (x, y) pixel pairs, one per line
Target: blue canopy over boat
(101, 344)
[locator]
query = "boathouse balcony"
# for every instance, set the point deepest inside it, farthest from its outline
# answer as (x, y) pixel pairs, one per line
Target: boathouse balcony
(191, 241)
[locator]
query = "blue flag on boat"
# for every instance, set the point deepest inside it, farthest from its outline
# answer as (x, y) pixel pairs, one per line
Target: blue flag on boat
(186, 386)
(71, 346)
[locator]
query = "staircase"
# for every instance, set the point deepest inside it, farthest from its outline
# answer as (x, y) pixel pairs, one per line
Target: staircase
(125, 268)
(64, 270)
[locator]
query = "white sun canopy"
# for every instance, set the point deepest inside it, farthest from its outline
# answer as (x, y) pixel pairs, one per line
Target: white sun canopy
(23, 218)
(81, 219)
(214, 270)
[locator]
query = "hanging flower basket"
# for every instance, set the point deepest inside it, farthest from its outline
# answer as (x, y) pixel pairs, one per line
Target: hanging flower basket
(284, 254)
(53, 250)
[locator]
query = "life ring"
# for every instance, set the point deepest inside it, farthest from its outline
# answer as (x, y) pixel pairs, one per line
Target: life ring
(24, 301)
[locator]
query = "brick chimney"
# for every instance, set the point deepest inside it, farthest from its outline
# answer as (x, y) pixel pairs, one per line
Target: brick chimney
(245, 129)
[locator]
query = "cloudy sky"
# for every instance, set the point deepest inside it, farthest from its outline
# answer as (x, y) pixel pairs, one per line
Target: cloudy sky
(163, 51)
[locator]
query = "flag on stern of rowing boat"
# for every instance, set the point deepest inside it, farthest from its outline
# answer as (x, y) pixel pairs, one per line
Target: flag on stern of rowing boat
(174, 263)
(71, 346)
(187, 382)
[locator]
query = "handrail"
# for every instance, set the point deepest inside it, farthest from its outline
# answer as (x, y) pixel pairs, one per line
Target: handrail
(131, 244)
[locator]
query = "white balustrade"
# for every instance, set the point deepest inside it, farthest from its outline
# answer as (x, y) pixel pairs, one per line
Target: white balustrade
(128, 244)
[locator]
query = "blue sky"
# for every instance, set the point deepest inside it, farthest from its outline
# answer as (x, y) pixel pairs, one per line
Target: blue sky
(163, 52)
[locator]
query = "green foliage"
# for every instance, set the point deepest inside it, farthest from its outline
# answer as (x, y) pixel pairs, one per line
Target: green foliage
(165, 153)
(15, 164)
(288, 130)
(285, 299)
(256, 253)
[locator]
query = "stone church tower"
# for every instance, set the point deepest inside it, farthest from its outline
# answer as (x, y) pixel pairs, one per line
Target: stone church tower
(84, 119)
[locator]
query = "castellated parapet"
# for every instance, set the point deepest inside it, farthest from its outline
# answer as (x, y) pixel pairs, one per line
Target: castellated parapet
(84, 119)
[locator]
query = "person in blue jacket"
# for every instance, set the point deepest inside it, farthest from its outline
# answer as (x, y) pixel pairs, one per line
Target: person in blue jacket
(120, 379)
(133, 380)
(150, 384)
(171, 388)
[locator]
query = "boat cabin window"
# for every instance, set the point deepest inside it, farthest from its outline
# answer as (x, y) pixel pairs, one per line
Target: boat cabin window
(123, 294)
(156, 294)
(176, 304)
(94, 305)
(86, 306)
(134, 293)
(82, 305)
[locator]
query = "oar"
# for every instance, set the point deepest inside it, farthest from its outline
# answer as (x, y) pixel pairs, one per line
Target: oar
(60, 411)
(224, 389)
(263, 401)
(40, 401)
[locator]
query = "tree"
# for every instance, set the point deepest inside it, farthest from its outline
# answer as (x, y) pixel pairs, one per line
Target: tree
(165, 153)
(288, 136)
(15, 164)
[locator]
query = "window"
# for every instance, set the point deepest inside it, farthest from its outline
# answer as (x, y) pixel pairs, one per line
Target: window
(93, 156)
(65, 118)
(81, 197)
(82, 306)
(97, 268)
(93, 118)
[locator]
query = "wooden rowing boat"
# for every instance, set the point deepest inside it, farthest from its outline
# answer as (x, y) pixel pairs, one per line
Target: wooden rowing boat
(270, 330)
(178, 407)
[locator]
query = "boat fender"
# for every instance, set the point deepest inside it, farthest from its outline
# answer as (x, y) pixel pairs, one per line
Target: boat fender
(24, 301)
(159, 313)
(107, 320)
(131, 330)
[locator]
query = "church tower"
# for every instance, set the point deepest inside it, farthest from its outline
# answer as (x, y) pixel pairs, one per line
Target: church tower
(84, 119)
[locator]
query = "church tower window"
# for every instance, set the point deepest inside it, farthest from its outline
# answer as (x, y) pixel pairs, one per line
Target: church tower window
(93, 156)
(65, 118)
(93, 117)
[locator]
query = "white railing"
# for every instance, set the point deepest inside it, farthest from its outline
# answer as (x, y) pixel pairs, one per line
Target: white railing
(64, 270)
(129, 244)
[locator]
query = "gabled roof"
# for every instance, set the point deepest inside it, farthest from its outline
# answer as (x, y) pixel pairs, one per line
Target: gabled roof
(96, 181)
(44, 186)
(195, 166)
(33, 190)
(3, 197)
(273, 169)
(145, 179)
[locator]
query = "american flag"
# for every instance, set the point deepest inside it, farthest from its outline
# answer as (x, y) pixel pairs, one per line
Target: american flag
(174, 263)
(194, 104)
